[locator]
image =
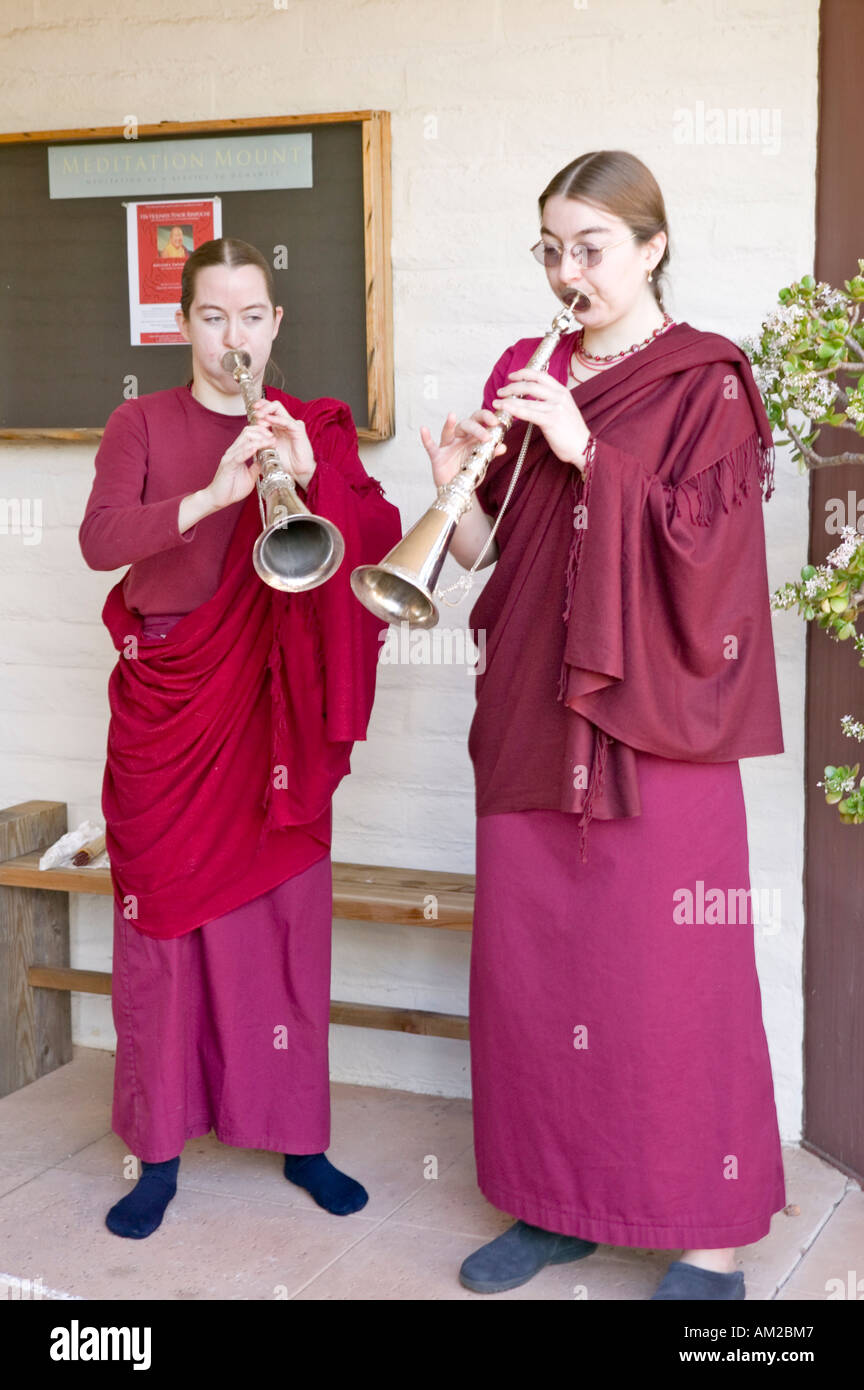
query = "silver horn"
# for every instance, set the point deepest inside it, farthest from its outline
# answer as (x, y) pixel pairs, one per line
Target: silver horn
(296, 550)
(401, 589)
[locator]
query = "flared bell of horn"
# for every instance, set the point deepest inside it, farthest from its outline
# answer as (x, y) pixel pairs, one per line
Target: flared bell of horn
(296, 550)
(400, 589)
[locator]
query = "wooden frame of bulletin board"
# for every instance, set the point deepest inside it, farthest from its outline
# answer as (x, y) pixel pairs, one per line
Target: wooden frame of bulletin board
(374, 149)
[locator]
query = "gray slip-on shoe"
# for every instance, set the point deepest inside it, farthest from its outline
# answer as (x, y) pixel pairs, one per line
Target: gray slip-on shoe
(686, 1281)
(517, 1255)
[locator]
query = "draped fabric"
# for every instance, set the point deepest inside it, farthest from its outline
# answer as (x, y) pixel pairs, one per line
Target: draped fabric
(233, 731)
(629, 608)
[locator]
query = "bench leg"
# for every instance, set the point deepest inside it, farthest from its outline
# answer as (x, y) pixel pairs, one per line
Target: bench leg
(35, 1024)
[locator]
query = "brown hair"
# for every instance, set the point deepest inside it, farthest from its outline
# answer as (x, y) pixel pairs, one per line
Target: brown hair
(624, 186)
(230, 251)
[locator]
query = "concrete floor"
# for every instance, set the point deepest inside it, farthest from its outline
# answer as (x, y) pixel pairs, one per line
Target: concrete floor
(238, 1230)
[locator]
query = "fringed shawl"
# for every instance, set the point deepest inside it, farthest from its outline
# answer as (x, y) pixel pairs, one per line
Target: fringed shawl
(629, 608)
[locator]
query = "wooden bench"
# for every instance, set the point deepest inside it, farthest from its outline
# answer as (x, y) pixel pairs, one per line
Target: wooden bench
(36, 978)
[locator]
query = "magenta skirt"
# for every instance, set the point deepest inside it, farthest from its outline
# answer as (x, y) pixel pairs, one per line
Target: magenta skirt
(621, 1080)
(226, 1027)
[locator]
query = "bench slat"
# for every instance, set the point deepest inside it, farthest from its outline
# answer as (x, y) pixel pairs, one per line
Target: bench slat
(361, 892)
(341, 1011)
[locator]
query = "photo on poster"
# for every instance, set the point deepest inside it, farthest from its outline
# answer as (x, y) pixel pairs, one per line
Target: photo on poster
(160, 238)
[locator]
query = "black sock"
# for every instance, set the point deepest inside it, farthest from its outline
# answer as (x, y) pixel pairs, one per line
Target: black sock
(332, 1190)
(140, 1212)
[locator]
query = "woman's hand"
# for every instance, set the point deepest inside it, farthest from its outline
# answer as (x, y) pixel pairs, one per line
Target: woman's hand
(233, 479)
(458, 439)
(275, 429)
(290, 439)
(551, 407)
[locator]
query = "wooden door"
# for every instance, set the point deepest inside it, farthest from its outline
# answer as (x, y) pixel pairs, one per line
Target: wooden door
(834, 853)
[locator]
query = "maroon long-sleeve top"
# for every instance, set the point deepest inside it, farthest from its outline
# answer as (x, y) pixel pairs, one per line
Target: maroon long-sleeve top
(154, 452)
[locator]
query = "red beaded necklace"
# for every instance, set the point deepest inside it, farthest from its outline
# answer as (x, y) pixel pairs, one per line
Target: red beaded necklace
(609, 359)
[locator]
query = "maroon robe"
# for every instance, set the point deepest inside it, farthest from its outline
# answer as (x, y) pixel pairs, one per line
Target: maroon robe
(621, 1079)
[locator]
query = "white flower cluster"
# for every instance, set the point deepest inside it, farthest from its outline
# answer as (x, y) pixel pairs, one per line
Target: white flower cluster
(852, 728)
(766, 378)
(827, 298)
(855, 403)
(815, 586)
(847, 785)
(784, 598)
(824, 576)
(778, 331)
(806, 392)
(787, 316)
(846, 550)
(811, 394)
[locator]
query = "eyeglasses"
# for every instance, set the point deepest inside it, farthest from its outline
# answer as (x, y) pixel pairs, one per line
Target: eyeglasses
(550, 256)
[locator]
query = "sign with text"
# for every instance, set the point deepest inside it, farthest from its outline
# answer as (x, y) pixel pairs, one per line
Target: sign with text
(163, 167)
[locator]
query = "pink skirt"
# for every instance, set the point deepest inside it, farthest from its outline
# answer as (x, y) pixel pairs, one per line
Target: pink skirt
(227, 1027)
(621, 1079)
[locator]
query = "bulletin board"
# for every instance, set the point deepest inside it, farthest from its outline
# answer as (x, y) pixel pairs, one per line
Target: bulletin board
(64, 328)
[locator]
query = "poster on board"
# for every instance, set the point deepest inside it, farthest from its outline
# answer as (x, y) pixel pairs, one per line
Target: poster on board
(160, 237)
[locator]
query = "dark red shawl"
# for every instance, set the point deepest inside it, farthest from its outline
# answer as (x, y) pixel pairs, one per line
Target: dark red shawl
(237, 726)
(641, 621)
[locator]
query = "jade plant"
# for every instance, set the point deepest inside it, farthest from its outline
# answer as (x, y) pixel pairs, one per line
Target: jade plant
(808, 363)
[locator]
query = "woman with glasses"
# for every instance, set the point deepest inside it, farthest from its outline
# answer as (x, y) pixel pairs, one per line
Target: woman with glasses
(233, 711)
(622, 1085)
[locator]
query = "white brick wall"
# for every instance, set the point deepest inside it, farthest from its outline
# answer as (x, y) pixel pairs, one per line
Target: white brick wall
(488, 100)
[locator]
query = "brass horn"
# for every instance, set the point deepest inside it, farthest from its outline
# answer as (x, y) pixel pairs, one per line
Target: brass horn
(296, 550)
(401, 589)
